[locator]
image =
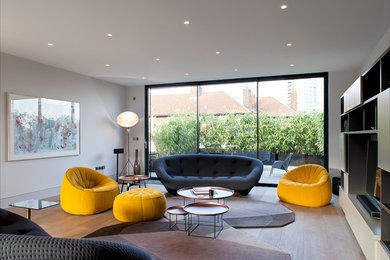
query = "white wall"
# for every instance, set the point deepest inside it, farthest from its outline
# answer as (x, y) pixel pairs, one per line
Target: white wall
(100, 103)
(380, 48)
(339, 81)
(136, 104)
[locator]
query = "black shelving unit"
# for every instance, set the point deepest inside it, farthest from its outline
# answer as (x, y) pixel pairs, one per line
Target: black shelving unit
(372, 82)
(361, 126)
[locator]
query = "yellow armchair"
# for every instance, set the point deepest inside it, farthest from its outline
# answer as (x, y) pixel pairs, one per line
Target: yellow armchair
(307, 185)
(85, 191)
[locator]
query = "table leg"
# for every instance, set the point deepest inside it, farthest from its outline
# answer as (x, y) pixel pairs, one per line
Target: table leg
(29, 214)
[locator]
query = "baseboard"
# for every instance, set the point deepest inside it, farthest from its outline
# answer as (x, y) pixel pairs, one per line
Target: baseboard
(42, 194)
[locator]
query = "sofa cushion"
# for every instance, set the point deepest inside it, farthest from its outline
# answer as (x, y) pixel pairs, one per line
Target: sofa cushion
(11, 223)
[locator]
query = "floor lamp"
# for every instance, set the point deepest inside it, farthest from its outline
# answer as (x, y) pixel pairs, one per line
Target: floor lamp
(127, 119)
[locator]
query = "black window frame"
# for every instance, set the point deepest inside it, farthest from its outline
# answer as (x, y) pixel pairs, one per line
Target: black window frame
(323, 75)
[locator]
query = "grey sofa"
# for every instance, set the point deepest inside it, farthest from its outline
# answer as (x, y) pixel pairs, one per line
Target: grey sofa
(21, 238)
(229, 171)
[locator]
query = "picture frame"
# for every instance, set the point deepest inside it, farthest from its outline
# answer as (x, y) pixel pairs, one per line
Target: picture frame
(42, 128)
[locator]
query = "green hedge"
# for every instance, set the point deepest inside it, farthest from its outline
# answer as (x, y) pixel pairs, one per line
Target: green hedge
(300, 134)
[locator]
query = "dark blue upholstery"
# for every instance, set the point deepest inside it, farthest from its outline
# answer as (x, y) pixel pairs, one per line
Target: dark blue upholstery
(229, 171)
(21, 238)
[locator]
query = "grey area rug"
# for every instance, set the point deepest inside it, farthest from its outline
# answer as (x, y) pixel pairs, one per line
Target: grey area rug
(154, 237)
(172, 245)
(246, 213)
(243, 213)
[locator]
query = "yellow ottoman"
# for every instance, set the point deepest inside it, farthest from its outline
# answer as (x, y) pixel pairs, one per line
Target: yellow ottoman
(139, 205)
(307, 185)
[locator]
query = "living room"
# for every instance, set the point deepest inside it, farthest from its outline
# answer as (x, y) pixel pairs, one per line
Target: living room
(102, 55)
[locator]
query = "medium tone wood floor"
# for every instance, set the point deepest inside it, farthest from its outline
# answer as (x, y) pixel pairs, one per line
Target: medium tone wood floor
(317, 233)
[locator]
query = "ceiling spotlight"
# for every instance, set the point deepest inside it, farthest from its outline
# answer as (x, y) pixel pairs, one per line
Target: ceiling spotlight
(289, 44)
(217, 52)
(292, 65)
(107, 65)
(186, 22)
(109, 35)
(157, 59)
(187, 74)
(50, 44)
(236, 70)
(143, 78)
(283, 7)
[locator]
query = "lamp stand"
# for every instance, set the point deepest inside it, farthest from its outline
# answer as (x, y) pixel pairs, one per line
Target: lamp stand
(128, 163)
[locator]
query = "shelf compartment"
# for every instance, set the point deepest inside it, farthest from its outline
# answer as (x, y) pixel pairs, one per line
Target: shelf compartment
(371, 82)
(344, 123)
(385, 66)
(370, 115)
(356, 119)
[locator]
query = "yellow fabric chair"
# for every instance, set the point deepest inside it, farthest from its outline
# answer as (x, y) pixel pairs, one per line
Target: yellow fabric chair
(307, 185)
(85, 191)
(139, 205)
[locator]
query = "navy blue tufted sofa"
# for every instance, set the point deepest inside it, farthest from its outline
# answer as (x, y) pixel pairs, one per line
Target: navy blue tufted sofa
(21, 238)
(190, 170)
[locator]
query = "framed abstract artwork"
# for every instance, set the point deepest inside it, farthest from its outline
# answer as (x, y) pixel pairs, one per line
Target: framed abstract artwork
(41, 128)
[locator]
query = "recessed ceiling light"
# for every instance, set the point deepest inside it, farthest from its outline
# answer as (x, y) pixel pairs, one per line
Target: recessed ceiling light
(187, 74)
(235, 69)
(109, 35)
(107, 65)
(283, 7)
(292, 65)
(217, 52)
(157, 59)
(50, 44)
(186, 22)
(143, 78)
(289, 44)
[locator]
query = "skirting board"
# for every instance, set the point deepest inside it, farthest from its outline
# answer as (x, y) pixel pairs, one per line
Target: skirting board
(42, 194)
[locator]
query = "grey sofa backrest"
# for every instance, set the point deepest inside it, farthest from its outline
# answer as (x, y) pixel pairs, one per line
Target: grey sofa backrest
(207, 165)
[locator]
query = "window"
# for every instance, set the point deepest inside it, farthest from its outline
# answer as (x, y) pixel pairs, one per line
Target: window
(266, 118)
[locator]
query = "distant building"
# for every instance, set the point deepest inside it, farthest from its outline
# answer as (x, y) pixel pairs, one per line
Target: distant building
(218, 103)
(306, 94)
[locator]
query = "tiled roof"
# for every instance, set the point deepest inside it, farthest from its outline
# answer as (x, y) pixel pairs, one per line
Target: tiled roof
(214, 103)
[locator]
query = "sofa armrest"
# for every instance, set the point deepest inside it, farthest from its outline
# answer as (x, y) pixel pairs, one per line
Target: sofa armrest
(161, 168)
(37, 247)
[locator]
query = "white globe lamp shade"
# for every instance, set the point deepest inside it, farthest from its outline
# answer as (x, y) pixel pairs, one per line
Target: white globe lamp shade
(127, 119)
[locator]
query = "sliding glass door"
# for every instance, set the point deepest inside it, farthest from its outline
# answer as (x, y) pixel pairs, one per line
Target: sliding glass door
(291, 124)
(277, 120)
(227, 118)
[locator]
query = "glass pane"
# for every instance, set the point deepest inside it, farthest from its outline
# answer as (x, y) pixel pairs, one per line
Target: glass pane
(172, 121)
(227, 118)
(291, 120)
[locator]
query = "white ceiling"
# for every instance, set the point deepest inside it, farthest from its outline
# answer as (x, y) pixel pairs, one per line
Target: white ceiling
(326, 35)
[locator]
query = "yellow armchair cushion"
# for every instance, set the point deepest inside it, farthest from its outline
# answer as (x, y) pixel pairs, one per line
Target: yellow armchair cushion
(139, 205)
(307, 185)
(85, 191)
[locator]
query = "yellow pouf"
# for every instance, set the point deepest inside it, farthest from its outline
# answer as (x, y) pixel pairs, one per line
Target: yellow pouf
(85, 191)
(139, 205)
(307, 185)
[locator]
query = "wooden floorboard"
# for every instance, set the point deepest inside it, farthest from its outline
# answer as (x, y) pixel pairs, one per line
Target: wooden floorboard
(317, 233)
